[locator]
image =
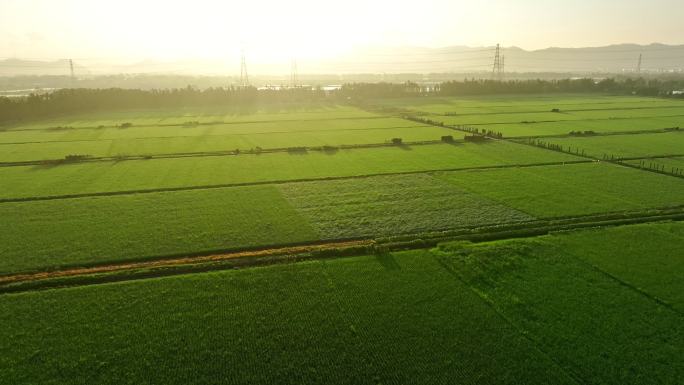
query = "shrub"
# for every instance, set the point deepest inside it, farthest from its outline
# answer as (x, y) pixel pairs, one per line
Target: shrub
(75, 157)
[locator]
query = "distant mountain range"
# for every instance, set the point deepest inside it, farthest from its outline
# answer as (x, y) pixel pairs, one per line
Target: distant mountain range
(623, 58)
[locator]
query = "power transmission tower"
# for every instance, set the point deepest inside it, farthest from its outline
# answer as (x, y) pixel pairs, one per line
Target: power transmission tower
(497, 70)
(244, 78)
(503, 67)
(294, 75)
(71, 69)
(638, 69)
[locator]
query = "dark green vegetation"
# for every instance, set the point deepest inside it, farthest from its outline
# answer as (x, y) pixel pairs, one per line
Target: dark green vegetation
(520, 311)
(134, 195)
(49, 234)
(594, 312)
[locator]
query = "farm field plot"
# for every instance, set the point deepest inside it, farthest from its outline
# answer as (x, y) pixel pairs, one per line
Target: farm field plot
(95, 230)
(598, 126)
(595, 326)
(655, 267)
(103, 177)
(78, 232)
(573, 189)
(179, 116)
(219, 141)
(216, 129)
(391, 205)
(524, 103)
(532, 116)
(666, 163)
(398, 318)
(627, 146)
(662, 115)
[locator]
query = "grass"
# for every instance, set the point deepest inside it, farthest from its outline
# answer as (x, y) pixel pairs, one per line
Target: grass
(215, 139)
(595, 326)
(646, 257)
(181, 115)
(571, 308)
(44, 235)
(642, 145)
(511, 130)
(396, 319)
(530, 115)
(200, 171)
(666, 164)
(392, 205)
(52, 234)
(572, 190)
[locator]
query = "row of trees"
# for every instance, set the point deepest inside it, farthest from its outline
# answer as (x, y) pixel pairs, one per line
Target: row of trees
(68, 101)
(646, 87)
(85, 100)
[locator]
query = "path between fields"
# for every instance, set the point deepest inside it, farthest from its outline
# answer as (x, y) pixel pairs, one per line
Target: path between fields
(169, 262)
(175, 265)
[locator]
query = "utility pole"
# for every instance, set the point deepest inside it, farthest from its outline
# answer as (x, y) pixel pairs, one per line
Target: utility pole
(497, 73)
(294, 75)
(244, 79)
(638, 69)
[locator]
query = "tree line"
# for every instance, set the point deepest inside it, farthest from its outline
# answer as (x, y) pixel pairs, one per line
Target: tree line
(67, 101)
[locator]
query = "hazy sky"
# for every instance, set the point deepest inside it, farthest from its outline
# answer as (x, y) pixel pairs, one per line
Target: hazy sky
(138, 29)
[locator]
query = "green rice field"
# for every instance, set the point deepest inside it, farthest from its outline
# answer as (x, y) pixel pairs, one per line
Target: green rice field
(514, 311)
(347, 242)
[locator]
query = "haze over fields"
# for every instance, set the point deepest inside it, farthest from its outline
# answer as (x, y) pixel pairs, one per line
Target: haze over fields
(206, 37)
(352, 192)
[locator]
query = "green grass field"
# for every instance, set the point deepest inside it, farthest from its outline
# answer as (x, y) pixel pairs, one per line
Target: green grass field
(602, 305)
(665, 164)
(392, 205)
(626, 146)
(76, 232)
(517, 115)
(572, 190)
(520, 311)
(179, 116)
(31, 145)
(80, 178)
(598, 327)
